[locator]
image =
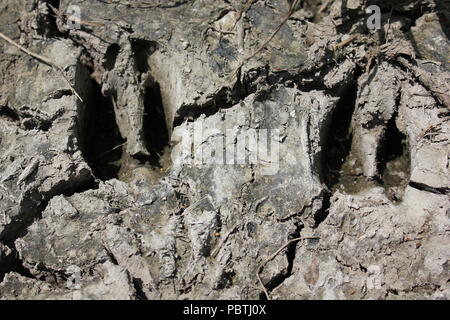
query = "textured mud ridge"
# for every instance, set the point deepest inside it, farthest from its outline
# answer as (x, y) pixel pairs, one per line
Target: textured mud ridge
(100, 199)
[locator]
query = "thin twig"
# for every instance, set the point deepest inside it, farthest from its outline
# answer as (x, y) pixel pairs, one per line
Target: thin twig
(261, 267)
(43, 59)
(84, 22)
(294, 5)
(232, 230)
(427, 81)
(292, 8)
(243, 9)
(389, 25)
(111, 150)
(343, 43)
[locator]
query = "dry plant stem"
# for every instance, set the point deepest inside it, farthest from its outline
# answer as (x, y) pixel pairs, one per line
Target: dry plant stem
(261, 267)
(42, 59)
(63, 17)
(324, 6)
(111, 150)
(232, 230)
(389, 25)
(243, 9)
(344, 42)
(292, 8)
(426, 80)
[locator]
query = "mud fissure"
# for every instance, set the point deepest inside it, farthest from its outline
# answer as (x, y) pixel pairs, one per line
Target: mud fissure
(223, 99)
(286, 273)
(12, 263)
(9, 114)
(48, 23)
(34, 204)
(138, 286)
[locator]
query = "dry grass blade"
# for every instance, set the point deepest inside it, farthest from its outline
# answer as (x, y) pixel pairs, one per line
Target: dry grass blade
(43, 59)
(241, 12)
(261, 267)
(343, 43)
(294, 6)
(427, 80)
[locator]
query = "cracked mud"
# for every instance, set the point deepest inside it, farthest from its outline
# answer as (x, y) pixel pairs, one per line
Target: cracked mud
(99, 199)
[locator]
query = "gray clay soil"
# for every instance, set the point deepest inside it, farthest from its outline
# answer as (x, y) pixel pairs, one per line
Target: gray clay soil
(98, 200)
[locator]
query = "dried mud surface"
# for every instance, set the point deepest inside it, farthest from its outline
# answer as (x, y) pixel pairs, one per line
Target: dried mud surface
(97, 200)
